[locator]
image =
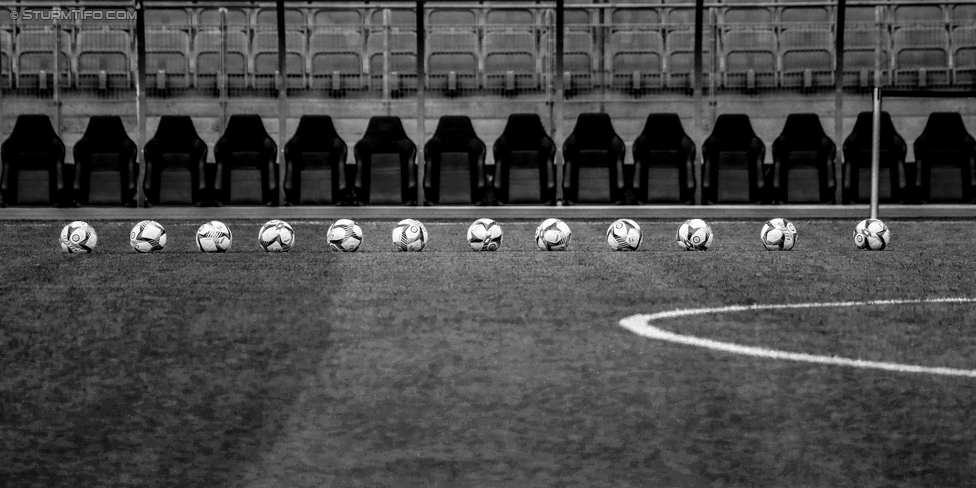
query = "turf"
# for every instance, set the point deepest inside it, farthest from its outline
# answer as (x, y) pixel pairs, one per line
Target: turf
(455, 368)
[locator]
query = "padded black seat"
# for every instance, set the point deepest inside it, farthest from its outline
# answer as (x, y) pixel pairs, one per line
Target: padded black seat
(803, 162)
(246, 156)
(315, 163)
(105, 159)
(664, 162)
(892, 181)
(594, 156)
(454, 157)
(32, 169)
(732, 159)
(945, 156)
(175, 164)
(525, 170)
(385, 169)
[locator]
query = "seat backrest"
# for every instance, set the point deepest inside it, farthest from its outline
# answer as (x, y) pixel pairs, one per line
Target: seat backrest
(662, 132)
(454, 133)
(593, 132)
(944, 132)
(315, 133)
(802, 132)
(244, 133)
(732, 133)
(176, 134)
(33, 133)
(857, 146)
(105, 134)
(523, 132)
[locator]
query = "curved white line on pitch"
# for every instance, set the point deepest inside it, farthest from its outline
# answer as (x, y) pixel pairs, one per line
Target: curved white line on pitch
(641, 325)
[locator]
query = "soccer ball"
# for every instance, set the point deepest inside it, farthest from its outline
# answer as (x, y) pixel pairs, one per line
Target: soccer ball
(276, 236)
(694, 235)
(778, 235)
(344, 235)
(78, 237)
(148, 236)
(624, 235)
(553, 235)
(409, 235)
(872, 235)
(214, 236)
(485, 235)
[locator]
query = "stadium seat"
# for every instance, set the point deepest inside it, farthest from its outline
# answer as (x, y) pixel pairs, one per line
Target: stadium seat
(315, 163)
(246, 156)
(664, 162)
(33, 169)
(103, 59)
(337, 60)
(803, 162)
(510, 60)
(807, 57)
(167, 18)
(732, 162)
(681, 59)
(945, 156)
(750, 58)
(6, 55)
(921, 55)
(636, 58)
(963, 41)
(209, 55)
(452, 62)
(105, 163)
(861, 40)
(34, 54)
(524, 162)
(893, 183)
(265, 51)
(403, 59)
(454, 171)
(594, 162)
(385, 164)
(167, 55)
(176, 166)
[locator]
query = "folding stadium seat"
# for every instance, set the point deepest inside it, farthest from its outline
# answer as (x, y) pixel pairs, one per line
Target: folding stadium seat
(176, 164)
(167, 59)
(209, 54)
(681, 58)
(524, 162)
(861, 40)
(337, 60)
(746, 14)
(6, 55)
(452, 63)
(454, 163)
(807, 57)
(33, 169)
(103, 59)
(105, 163)
(510, 59)
(35, 59)
(963, 41)
(945, 157)
(750, 58)
(403, 59)
(732, 162)
(385, 164)
(315, 163)
(265, 62)
(594, 162)
(664, 162)
(247, 169)
(579, 61)
(804, 14)
(803, 162)
(921, 55)
(167, 18)
(636, 58)
(893, 184)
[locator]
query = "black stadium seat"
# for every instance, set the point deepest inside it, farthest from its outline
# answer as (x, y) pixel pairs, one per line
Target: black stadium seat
(385, 169)
(803, 162)
(454, 170)
(246, 156)
(315, 163)
(945, 156)
(175, 164)
(732, 160)
(892, 181)
(664, 162)
(594, 157)
(33, 169)
(524, 162)
(105, 162)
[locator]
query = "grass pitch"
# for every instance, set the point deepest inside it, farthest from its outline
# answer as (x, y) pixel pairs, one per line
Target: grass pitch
(455, 368)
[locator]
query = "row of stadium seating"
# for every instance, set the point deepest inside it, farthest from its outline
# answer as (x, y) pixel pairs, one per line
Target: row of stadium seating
(384, 170)
(509, 50)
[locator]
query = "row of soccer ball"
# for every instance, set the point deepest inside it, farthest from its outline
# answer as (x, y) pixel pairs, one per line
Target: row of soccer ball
(483, 235)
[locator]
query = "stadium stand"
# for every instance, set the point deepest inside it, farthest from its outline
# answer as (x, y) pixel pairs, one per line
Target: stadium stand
(803, 162)
(732, 162)
(664, 162)
(105, 163)
(593, 168)
(247, 170)
(455, 163)
(33, 169)
(945, 160)
(893, 181)
(175, 170)
(524, 162)
(315, 163)
(386, 170)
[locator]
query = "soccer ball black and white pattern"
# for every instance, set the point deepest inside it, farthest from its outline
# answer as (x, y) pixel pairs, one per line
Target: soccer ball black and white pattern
(214, 236)
(276, 236)
(694, 235)
(148, 236)
(624, 235)
(410, 235)
(78, 237)
(485, 235)
(344, 235)
(778, 235)
(871, 235)
(553, 235)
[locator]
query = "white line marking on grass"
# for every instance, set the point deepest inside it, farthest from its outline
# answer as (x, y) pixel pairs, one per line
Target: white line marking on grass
(641, 325)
